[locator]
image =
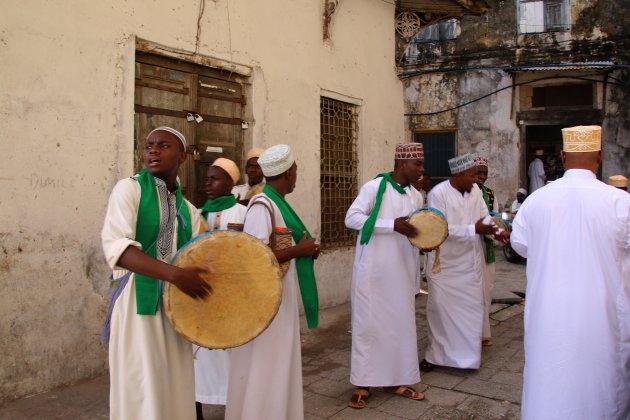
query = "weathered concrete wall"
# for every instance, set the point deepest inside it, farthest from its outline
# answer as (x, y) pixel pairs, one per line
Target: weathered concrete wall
(616, 129)
(66, 100)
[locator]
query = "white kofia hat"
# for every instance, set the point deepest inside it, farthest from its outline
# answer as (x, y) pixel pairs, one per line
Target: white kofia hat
(522, 191)
(276, 160)
(171, 130)
(461, 163)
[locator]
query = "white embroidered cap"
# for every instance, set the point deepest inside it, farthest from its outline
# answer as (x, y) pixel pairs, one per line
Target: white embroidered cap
(276, 160)
(461, 163)
(171, 130)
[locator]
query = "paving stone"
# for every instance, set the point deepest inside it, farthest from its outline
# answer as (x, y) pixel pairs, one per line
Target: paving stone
(484, 407)
(490, 389)
(330, 388)
(338, 374)
(440, 379)
(438, 396)
(508, 313)
(510, 378)
(444, 413)
(404, 407)
(212, 412)
(321, 405)
(366, 413)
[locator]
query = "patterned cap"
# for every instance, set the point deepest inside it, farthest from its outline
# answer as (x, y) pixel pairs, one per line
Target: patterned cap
(618, 181)
(228, 166)
(583, 138)
(406, 151)
(252, 153)
(481, 161)
(461, 163)
(171, 130)
(276, 160)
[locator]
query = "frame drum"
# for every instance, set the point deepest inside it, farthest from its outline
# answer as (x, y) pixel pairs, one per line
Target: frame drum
(432, 228)
(246, 290)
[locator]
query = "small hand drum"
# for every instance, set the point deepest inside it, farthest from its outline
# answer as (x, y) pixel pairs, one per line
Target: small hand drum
(246, 290)
(499, 222)
(432, 228)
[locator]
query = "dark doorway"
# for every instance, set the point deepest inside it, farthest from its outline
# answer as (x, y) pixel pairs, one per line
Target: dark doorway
(549, 139)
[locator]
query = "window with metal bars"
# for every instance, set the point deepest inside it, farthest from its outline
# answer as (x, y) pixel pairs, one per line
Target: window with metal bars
(338, 171)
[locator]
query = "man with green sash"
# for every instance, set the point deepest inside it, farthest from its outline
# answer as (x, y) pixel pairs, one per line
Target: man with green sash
(265, 379)
(221, 209)
(488, 250)
(384, 337)
(147, 220)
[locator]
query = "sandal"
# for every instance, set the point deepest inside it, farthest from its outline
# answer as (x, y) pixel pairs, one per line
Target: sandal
(486, 343)
(359, 398)
(405, 392)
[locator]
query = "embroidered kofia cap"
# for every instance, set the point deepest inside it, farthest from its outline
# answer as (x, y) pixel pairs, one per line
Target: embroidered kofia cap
(583, 138)
(276, 160)
(481, 161)
(618, 181)
(461, 163)
(228, 166)
(406, 151)
(522, 191)
(252, 153)
(539, 152)
(171, 130)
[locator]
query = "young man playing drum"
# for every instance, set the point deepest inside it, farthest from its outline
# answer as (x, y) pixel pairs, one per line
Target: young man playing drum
(384, 338)
(255, 180)
(147, 220)
(221, 209)
(265, 380)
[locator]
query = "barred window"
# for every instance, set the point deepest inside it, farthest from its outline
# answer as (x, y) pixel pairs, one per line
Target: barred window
(338, 172)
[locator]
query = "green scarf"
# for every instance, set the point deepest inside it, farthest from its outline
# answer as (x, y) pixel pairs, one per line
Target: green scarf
(490, 257)
(303, 265)
(147, 231)
(368, 226)
(218, 204)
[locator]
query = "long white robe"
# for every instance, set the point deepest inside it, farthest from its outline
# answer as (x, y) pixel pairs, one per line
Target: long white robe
(536, 174)
(384, 342)
(455, 307)
(150, 365)
(488, 271)
(575, 234)
(265, 379)
(212, 366)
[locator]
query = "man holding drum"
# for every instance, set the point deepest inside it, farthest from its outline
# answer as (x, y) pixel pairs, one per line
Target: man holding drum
(384, 337)
(455, 307)
(147, 220)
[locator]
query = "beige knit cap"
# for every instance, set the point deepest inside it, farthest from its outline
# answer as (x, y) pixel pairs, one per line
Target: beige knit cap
(228, 166)
(252, 153)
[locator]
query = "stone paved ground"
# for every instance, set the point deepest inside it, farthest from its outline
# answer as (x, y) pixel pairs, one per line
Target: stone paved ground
(492, 392)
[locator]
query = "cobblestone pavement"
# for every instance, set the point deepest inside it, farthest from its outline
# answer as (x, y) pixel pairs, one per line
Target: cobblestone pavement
(492, 392)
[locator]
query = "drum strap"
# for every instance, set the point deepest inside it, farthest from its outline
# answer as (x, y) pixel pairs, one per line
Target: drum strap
(115, 290)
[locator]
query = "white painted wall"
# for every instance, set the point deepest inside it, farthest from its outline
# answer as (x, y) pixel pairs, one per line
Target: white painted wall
(66, 100)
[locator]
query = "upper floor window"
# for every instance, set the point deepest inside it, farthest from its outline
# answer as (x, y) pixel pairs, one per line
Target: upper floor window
(544, 16)
(441, 31)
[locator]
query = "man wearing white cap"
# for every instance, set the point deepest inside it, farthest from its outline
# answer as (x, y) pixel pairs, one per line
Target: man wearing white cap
(384, 341)
(618, 181)
(221, 209)
(521, 194)
(255, 181)
(536, 172)
(265, 379)
(455, 307)
(575, 234)
(147, 220)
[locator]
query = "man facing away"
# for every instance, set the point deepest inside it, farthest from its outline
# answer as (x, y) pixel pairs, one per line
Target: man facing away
(575, 234)
(455, 307)
(536, 172)
(384, 342)
(221, 209)
(265, 379)
(254, 176)
(618, 181)
(147, 220)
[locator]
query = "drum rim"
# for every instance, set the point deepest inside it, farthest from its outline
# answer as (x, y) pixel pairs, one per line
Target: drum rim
(435, 211)
(494, 213)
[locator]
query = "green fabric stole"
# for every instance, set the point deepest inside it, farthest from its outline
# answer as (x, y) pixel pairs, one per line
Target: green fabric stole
(303, 265)
(490, 257)
(368, 226)
(218, 204)
(147, 231)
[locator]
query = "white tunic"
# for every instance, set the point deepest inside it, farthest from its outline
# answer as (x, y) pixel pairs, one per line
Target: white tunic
(488, 271)
(384, 342)
(212, 366)
(150, 365)
(455, 306)
(265, 379)
(536, 174)
(575, 234)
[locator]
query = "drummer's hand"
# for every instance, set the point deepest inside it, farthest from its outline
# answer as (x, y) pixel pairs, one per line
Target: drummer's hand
(482, 229)
(503, 237)
(307, 247)
(402, 226)
(189, 281)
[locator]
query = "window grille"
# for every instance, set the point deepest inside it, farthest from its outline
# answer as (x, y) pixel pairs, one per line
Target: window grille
(338, 171)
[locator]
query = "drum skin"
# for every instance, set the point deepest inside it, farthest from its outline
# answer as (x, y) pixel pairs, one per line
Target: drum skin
(432, 228)
(246, 290)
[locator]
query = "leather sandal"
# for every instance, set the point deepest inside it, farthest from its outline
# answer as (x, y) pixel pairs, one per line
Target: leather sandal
(405, 392)
(359, 398)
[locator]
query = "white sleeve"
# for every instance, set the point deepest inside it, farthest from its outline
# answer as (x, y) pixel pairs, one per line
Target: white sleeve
(360, 210)
(438, 200)
(518, 237)
(258, 221)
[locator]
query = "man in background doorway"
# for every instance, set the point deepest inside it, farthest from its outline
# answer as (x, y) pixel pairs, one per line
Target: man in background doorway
(618, 181)
(536, 172)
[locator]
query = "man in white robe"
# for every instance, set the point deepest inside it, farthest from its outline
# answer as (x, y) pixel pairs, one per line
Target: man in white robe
(536, 172)
(255, 179)
(384, 341)
(221, 209)
(150, 365)
(575, 234)
(265, 379)
(455, 307)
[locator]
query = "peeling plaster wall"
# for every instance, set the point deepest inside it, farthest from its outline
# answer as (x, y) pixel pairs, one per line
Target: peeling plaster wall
(67, 106)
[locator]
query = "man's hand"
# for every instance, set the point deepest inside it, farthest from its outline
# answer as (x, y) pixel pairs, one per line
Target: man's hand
(189, 281)
(503, 237)
(402, 226)
(307, 247)
(483, 229)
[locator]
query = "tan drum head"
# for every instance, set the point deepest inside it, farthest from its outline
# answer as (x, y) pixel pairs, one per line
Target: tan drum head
(246, 295)
(432, 229)
(500, 222)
